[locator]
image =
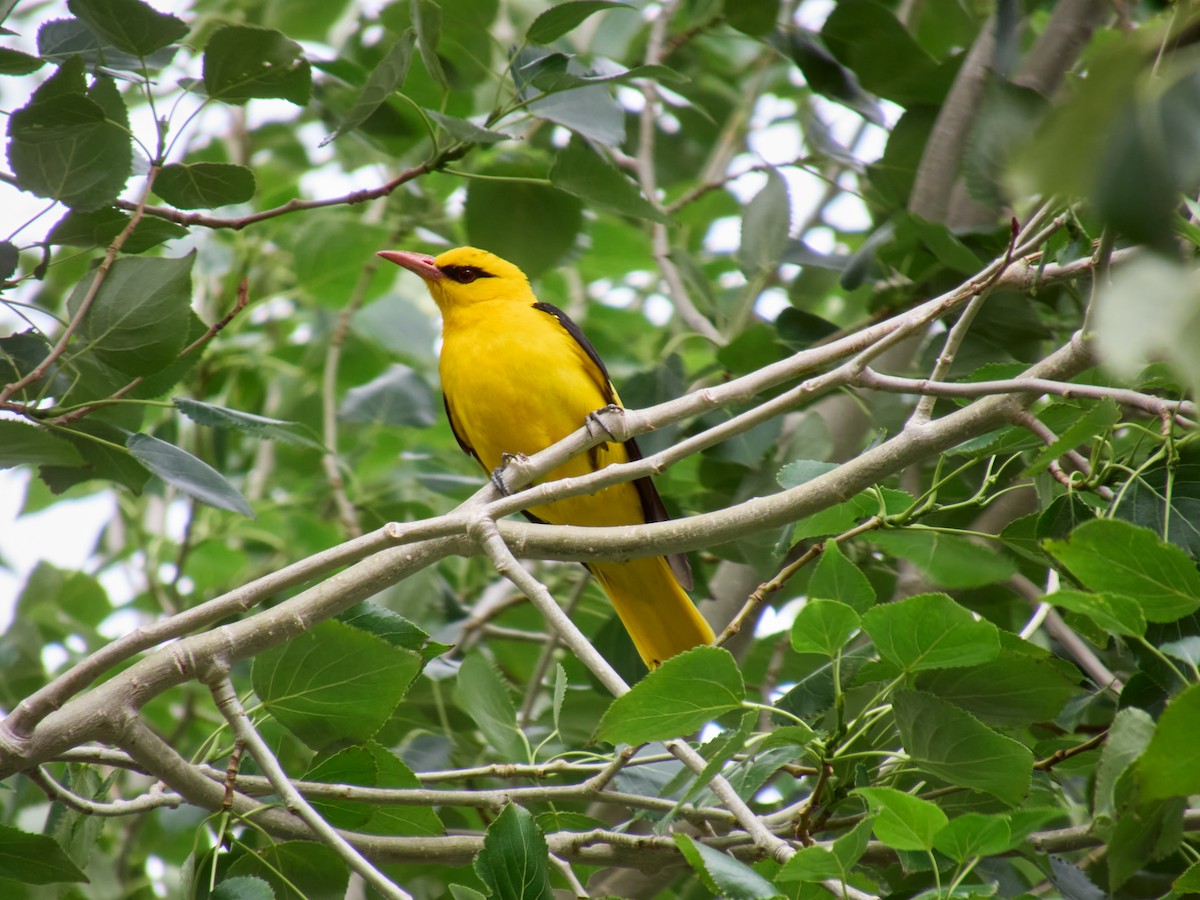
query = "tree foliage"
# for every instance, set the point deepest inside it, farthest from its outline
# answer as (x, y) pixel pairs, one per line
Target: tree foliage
(902, 301)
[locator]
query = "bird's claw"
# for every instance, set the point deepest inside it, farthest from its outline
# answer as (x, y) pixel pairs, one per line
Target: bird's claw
(597, 419)
(498, 472)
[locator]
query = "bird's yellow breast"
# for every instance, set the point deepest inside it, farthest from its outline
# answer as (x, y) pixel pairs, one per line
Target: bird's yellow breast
(516, 382)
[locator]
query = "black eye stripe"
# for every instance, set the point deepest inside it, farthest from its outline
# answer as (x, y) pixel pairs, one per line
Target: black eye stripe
(465, 274)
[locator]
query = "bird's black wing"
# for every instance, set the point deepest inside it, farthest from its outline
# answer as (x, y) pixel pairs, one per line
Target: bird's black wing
(454, 427)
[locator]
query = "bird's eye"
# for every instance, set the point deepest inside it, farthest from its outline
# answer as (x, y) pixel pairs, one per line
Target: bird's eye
(463, 274)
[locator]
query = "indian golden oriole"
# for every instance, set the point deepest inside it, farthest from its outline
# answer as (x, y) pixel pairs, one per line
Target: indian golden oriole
(519, 375)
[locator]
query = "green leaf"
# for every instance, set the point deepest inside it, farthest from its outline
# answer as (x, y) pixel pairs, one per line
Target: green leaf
(681, 695)
(98, 227)
(850, 847)
(553, 23)
(866, 36)
(62, 603)
(550, 219)
(1145, 832)
(393, 628)
(34, 858)
(836, 578)
(1114, 557)
(351, 766)
(400, 396)
(950, 560)
(427, 21)
(902, 821)
(943, 244)
(295, 869)
(1153, 136)
(393, 819)
(28, 445)
(14, 62)
(243, 63)
(824, 626)
(193, 476)
(787, 736)
(482, 694)
(930, 631)
(730, 877)
(1170, 766)
(828, 77)
(108, 461)
(328, 253)
(765, 226)
(1148, 312)
(71, 143)
(372, 765)
(129, 25)
(954, 746)
(1012, 689)
(1166, 499)
(1128, 737)
(560, 694)
(718, 752)
(60, 39)
(10, 258)
(259, 426)
(1112, 612)
(1007, 116)
(514, 862)
(204, 185)
(466, 130)
(1096, 420)
(333, 683)
(802, 471)
(1189, 881)
(138, 320)
(385, 79)
(580, 171)
(243, 887)
(753, 17)
(973, 835)
(589, 110)
(77, 832)
(755, 347)
(810, 864)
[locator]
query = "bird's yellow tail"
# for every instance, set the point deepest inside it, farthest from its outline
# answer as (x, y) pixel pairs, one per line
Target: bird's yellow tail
(656, 612)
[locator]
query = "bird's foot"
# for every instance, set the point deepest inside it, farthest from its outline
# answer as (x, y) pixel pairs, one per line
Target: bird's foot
(596, 419)
(498, 472)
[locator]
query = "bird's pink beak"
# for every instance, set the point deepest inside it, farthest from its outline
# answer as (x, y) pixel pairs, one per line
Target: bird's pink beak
(420, 263)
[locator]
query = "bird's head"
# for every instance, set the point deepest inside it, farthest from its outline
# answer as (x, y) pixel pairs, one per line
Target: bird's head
(464, 275)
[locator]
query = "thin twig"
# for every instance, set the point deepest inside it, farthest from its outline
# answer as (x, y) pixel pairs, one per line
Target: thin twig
(660, 238)
(1032, 423)
(156, 798)
(508, 566)
(1066, 636)
(785, 574)
(329, 430)
(549, 645)
(231, 708)
(1157, 406)
(239, 222)
(958, 333)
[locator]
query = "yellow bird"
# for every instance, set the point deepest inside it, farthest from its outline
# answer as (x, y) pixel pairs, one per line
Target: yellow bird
(519, 375)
